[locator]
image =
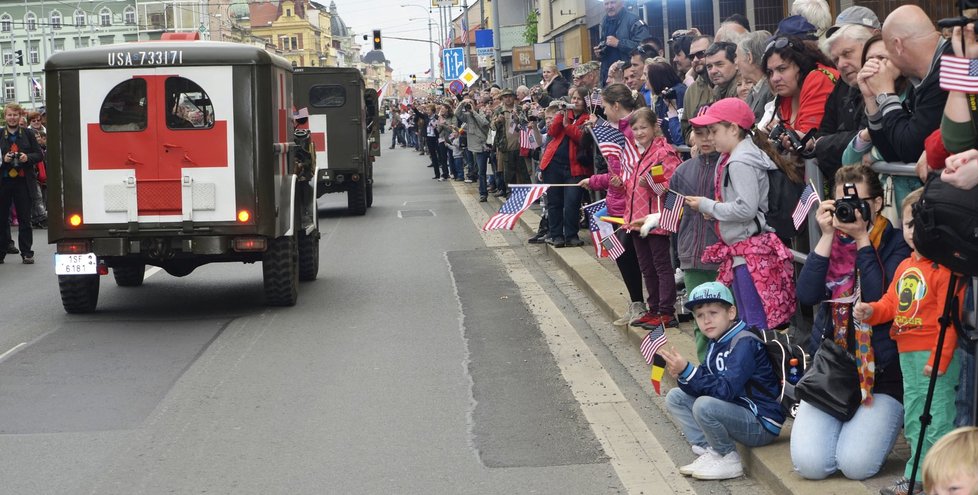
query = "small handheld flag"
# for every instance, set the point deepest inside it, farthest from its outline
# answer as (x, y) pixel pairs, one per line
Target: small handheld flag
(591, 212)
(652, 342)
(672, 211)
(615, 243)
(520, 198)
(612, 143)
(658, 369)
(808, 199)
(959, 74)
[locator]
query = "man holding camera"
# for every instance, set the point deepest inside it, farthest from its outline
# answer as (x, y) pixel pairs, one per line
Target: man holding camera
(20, 153)
(621, 32)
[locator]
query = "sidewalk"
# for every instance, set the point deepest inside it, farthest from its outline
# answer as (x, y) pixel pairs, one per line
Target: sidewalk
(771, 465)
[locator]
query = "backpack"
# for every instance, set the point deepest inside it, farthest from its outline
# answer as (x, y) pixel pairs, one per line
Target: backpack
(780, 350)
(782, 198)
(946, 226)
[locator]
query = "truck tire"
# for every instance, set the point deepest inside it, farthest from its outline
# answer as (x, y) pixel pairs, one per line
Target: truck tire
(280, 270)
(356, 199)
(308, 255)
(79, 293)
(129, 275)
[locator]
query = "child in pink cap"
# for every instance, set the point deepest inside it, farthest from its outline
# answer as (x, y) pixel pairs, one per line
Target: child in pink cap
(753, 261)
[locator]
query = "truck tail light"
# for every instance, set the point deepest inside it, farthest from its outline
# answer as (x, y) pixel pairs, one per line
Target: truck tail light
(250, 244)
(244, 216)
(73, 247)
(355, 177)
(75, 220)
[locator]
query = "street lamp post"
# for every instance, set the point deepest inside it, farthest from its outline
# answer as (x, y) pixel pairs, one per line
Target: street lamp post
(431, 48)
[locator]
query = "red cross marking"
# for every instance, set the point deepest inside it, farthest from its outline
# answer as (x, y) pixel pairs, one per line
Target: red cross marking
(157, 153)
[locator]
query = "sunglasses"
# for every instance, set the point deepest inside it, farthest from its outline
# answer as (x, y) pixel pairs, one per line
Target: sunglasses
(696, 55)
(778, 44)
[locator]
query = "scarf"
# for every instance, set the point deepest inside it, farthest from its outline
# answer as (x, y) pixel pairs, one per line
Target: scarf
(841, 282)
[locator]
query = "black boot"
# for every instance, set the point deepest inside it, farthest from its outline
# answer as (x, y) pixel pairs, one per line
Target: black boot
(542, 231)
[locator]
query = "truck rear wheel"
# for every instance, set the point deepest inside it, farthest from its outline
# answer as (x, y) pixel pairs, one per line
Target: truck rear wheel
(79, 293)
(129, 275)
(356, 199)
(280, 270)
(308, 255)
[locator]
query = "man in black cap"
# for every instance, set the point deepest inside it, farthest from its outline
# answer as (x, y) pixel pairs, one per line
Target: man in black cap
(621, 32)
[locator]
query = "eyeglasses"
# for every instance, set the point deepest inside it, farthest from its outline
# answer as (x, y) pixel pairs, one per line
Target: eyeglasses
(696, 55)
(778, 44)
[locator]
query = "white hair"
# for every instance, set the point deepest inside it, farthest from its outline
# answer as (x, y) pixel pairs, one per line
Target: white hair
(814, 11)
(852, 32)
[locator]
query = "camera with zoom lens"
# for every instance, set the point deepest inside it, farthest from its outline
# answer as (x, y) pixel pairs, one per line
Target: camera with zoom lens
(467, 107)
(602, 46)
(669, 94)
(796, 145)
(846, 208)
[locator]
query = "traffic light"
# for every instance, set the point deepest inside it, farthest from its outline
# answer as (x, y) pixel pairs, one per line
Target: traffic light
(20, 57)
(414, 78)
(377, 40)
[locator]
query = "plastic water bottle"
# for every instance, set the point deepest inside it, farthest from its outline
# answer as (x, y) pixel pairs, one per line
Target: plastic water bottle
(794, 374)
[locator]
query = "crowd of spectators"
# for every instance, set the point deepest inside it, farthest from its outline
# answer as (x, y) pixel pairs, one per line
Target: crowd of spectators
(727, 121)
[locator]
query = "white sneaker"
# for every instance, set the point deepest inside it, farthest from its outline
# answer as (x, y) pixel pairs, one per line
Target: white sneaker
(698, 451)
(721, 468)
(635, 310)
(708, 456)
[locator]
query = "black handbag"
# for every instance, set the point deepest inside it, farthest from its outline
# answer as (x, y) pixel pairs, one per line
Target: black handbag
(832, 382)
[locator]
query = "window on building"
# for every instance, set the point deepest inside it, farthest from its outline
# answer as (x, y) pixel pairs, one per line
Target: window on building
(82, 42)
(8, 55)
(288, 12)
(129, 15)
(701, 12)
(55, 20)
(9, 91)
(295, 43)
(6, 23)
(124, 108)
(105, 17)
(731, 7)
(30, 21)
(676, 16)
(187, 105)
(33, 53)
(59, 45)
(80, 18)
(37, 89)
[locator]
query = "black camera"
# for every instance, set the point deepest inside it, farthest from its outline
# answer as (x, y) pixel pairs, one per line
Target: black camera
(602, 46)
(467, 107)
(796, 145)
(846, 208)
(669, 94)
(955, 22)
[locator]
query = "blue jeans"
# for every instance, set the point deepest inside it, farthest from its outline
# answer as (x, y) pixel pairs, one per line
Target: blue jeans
(457, 168)
(563, 203)
(965, 399)
(822, 445)
(481, 161)
(708, 421)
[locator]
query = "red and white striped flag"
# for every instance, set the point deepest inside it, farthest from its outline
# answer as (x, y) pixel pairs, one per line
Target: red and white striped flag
(521, 196)
(652, 342)
(959, 74)
(805, 204)
(591, 212)
(612, 142)
(672, 211)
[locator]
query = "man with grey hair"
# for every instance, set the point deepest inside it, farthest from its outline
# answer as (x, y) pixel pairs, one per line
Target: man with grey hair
(750, 52)
(844, 109)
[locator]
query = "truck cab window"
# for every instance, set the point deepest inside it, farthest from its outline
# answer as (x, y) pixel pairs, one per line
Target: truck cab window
(124, 108)
(327, 96)
(187, 105)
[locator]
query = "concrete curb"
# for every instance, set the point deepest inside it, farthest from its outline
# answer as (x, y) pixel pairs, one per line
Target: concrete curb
(771, 464)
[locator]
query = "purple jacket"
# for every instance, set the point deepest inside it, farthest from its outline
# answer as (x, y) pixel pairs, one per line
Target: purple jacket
(616, 194)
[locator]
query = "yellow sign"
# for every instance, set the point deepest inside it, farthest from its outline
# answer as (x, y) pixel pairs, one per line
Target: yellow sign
(469, 77)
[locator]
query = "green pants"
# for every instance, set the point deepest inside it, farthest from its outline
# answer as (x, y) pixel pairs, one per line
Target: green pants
(915, 392)
(694, 278)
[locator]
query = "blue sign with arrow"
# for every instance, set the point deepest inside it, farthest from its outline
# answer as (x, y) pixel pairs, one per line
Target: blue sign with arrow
(453, 63)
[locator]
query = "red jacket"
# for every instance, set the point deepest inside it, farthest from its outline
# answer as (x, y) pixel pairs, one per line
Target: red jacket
(815, 90)
(557, 131)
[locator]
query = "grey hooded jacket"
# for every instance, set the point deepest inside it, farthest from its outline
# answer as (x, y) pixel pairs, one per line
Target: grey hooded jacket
(744, 189)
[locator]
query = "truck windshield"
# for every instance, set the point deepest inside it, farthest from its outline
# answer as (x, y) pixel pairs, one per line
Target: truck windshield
(327, 96)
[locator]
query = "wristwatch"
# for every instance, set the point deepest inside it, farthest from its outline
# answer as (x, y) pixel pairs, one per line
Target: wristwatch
(881, 98)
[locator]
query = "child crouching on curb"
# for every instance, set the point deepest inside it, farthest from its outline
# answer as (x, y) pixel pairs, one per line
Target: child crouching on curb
(730, 398)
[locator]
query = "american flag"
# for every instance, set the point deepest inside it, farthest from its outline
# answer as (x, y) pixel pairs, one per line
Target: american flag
(653, 341)
(656, 179)
(805, 204)
(591, 211)
(521, 196)
(527, 140)
(593, 99)
(612, 142)
(615, 243)
(959, 74)
(672, 211)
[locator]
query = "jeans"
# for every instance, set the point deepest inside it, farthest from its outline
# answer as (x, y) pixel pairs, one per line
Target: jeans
(457, 167)
(660, 280)
(822, 445)
(708, 421)
(412, 137)
(965, 399)
(15, 192)
(481, 160)
(563, 203)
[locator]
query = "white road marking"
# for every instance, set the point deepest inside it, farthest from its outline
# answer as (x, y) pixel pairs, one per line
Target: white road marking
(13, 350)
(153, 270)
(636, 455)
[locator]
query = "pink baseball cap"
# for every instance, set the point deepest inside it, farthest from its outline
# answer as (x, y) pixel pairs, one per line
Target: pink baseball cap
(732, 110)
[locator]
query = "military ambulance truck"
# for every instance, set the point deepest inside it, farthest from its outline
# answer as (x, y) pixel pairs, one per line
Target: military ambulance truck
(176, 154)
(344, 126)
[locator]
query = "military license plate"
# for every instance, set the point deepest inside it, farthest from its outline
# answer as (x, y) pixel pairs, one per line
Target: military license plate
(75, 264)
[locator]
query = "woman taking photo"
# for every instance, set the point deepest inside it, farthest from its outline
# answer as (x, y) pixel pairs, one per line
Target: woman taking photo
(664, 81)
(560, 165)
(801, 77)
(821, 444)
(618, 106)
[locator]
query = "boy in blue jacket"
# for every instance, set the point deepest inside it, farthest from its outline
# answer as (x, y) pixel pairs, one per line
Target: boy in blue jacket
(732, 397)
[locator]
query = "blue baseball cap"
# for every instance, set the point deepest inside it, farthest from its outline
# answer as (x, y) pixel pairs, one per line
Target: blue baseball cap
(709, 292)
(796, 25)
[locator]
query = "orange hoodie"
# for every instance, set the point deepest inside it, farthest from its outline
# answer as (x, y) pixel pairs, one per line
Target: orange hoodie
(915, 302)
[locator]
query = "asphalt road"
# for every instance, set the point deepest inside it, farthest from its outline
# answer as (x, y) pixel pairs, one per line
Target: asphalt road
(426, 358)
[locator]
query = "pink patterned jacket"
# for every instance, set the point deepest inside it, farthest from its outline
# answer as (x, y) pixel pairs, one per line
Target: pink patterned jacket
(640, 199)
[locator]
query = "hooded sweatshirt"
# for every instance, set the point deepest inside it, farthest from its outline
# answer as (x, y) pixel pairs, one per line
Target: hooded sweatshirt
(743, 186)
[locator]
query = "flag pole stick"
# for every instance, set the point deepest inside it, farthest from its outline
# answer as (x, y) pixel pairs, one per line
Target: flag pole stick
(817, 196)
